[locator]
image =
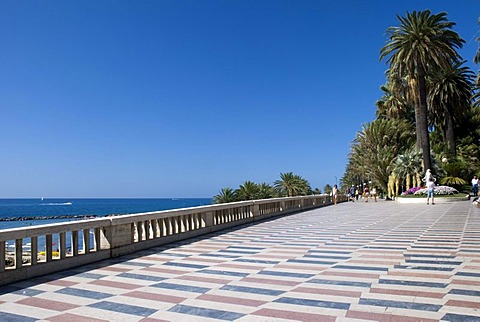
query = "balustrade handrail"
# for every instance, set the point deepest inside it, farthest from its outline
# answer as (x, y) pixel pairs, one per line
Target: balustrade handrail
(101, 238)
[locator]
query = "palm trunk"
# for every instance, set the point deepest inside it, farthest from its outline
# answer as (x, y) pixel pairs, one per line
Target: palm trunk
(421, 121)
(450, 134)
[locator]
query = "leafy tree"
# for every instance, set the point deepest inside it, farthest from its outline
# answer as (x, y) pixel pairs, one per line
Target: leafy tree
(409, 166)
(266, 191)
(292, 185)
(377, 146)
(455, 172)
(394, 103)
(247, 191)
(423, 42)
(449, 99)
(328, 188)
(226, 195)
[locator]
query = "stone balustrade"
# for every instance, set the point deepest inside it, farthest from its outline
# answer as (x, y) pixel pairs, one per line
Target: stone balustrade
(70, 244)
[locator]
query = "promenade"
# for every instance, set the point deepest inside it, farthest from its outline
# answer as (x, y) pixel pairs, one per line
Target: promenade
(350, 262)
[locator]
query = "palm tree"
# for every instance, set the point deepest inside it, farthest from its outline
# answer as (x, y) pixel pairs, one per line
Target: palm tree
(247, 191)
(226, 195)
(393, 103)
(455, 171)
(423, 42)
(265, 191)
(292, 185)
(449, 99)
(408, 166)
(327, 189)
(377, 146)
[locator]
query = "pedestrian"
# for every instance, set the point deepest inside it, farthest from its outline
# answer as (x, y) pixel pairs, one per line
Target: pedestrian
(366, 193)
(430, 189)
(373, 193)
(475, 186)
(352, 193)
(335, 194)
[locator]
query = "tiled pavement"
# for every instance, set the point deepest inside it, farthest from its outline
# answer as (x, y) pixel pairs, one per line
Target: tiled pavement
(351, 262)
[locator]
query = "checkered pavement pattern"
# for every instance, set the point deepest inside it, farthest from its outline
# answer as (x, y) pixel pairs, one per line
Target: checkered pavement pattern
(350, 262)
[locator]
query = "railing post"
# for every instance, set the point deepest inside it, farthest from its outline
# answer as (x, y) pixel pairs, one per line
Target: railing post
(75, 242)
(63, 245)
(48, 247)
(2, 256)
(254, 210)
(34, 249)
(86, 241)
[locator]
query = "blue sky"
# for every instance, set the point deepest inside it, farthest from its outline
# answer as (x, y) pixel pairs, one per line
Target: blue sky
(181, 98)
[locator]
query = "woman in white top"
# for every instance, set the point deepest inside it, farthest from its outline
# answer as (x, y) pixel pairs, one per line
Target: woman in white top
(475, 186)
(335, 194)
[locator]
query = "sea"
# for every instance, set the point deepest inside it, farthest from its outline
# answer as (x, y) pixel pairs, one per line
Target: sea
(28, 212)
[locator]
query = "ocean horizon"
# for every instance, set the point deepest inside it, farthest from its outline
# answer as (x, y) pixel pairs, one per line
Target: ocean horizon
(20, 212)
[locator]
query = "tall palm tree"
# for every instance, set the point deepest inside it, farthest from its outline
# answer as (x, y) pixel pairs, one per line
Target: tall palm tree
(226, 195)
(292, 185)
(476, 59)
(449, 99)
(423, 42)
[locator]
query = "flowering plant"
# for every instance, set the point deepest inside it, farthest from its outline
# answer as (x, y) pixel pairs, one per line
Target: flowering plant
(438, 190)
(411, 191)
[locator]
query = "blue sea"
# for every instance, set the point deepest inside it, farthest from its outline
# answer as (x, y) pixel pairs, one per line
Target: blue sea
(31, 210)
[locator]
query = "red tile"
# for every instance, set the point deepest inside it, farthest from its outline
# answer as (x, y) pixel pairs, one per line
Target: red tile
(297, 316)
(351, 274)
(419, 274)
(269, 281)
(115, 269)
(465, 282)
(203, 279)
(205, 260)
(407, 293)
(152, 320)
(327, 292)
(61, 283)
(230, 300)
(47, 304)
(364, 261)
(384, 256)
(384, 317)
(246, 266)
(155, 297)
(67, 317)
(114, 284)
(164, 270)
(468, 304)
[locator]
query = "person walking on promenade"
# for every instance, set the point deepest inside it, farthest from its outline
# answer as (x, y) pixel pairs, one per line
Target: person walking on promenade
(373, 193)
(430, 189)
(475, 186)
(335, 194)
(352, 193)
(366, 193)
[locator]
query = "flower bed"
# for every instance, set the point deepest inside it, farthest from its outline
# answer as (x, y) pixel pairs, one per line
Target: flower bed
(438, 190)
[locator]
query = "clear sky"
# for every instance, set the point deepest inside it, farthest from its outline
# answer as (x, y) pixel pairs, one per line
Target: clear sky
(181, 98)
